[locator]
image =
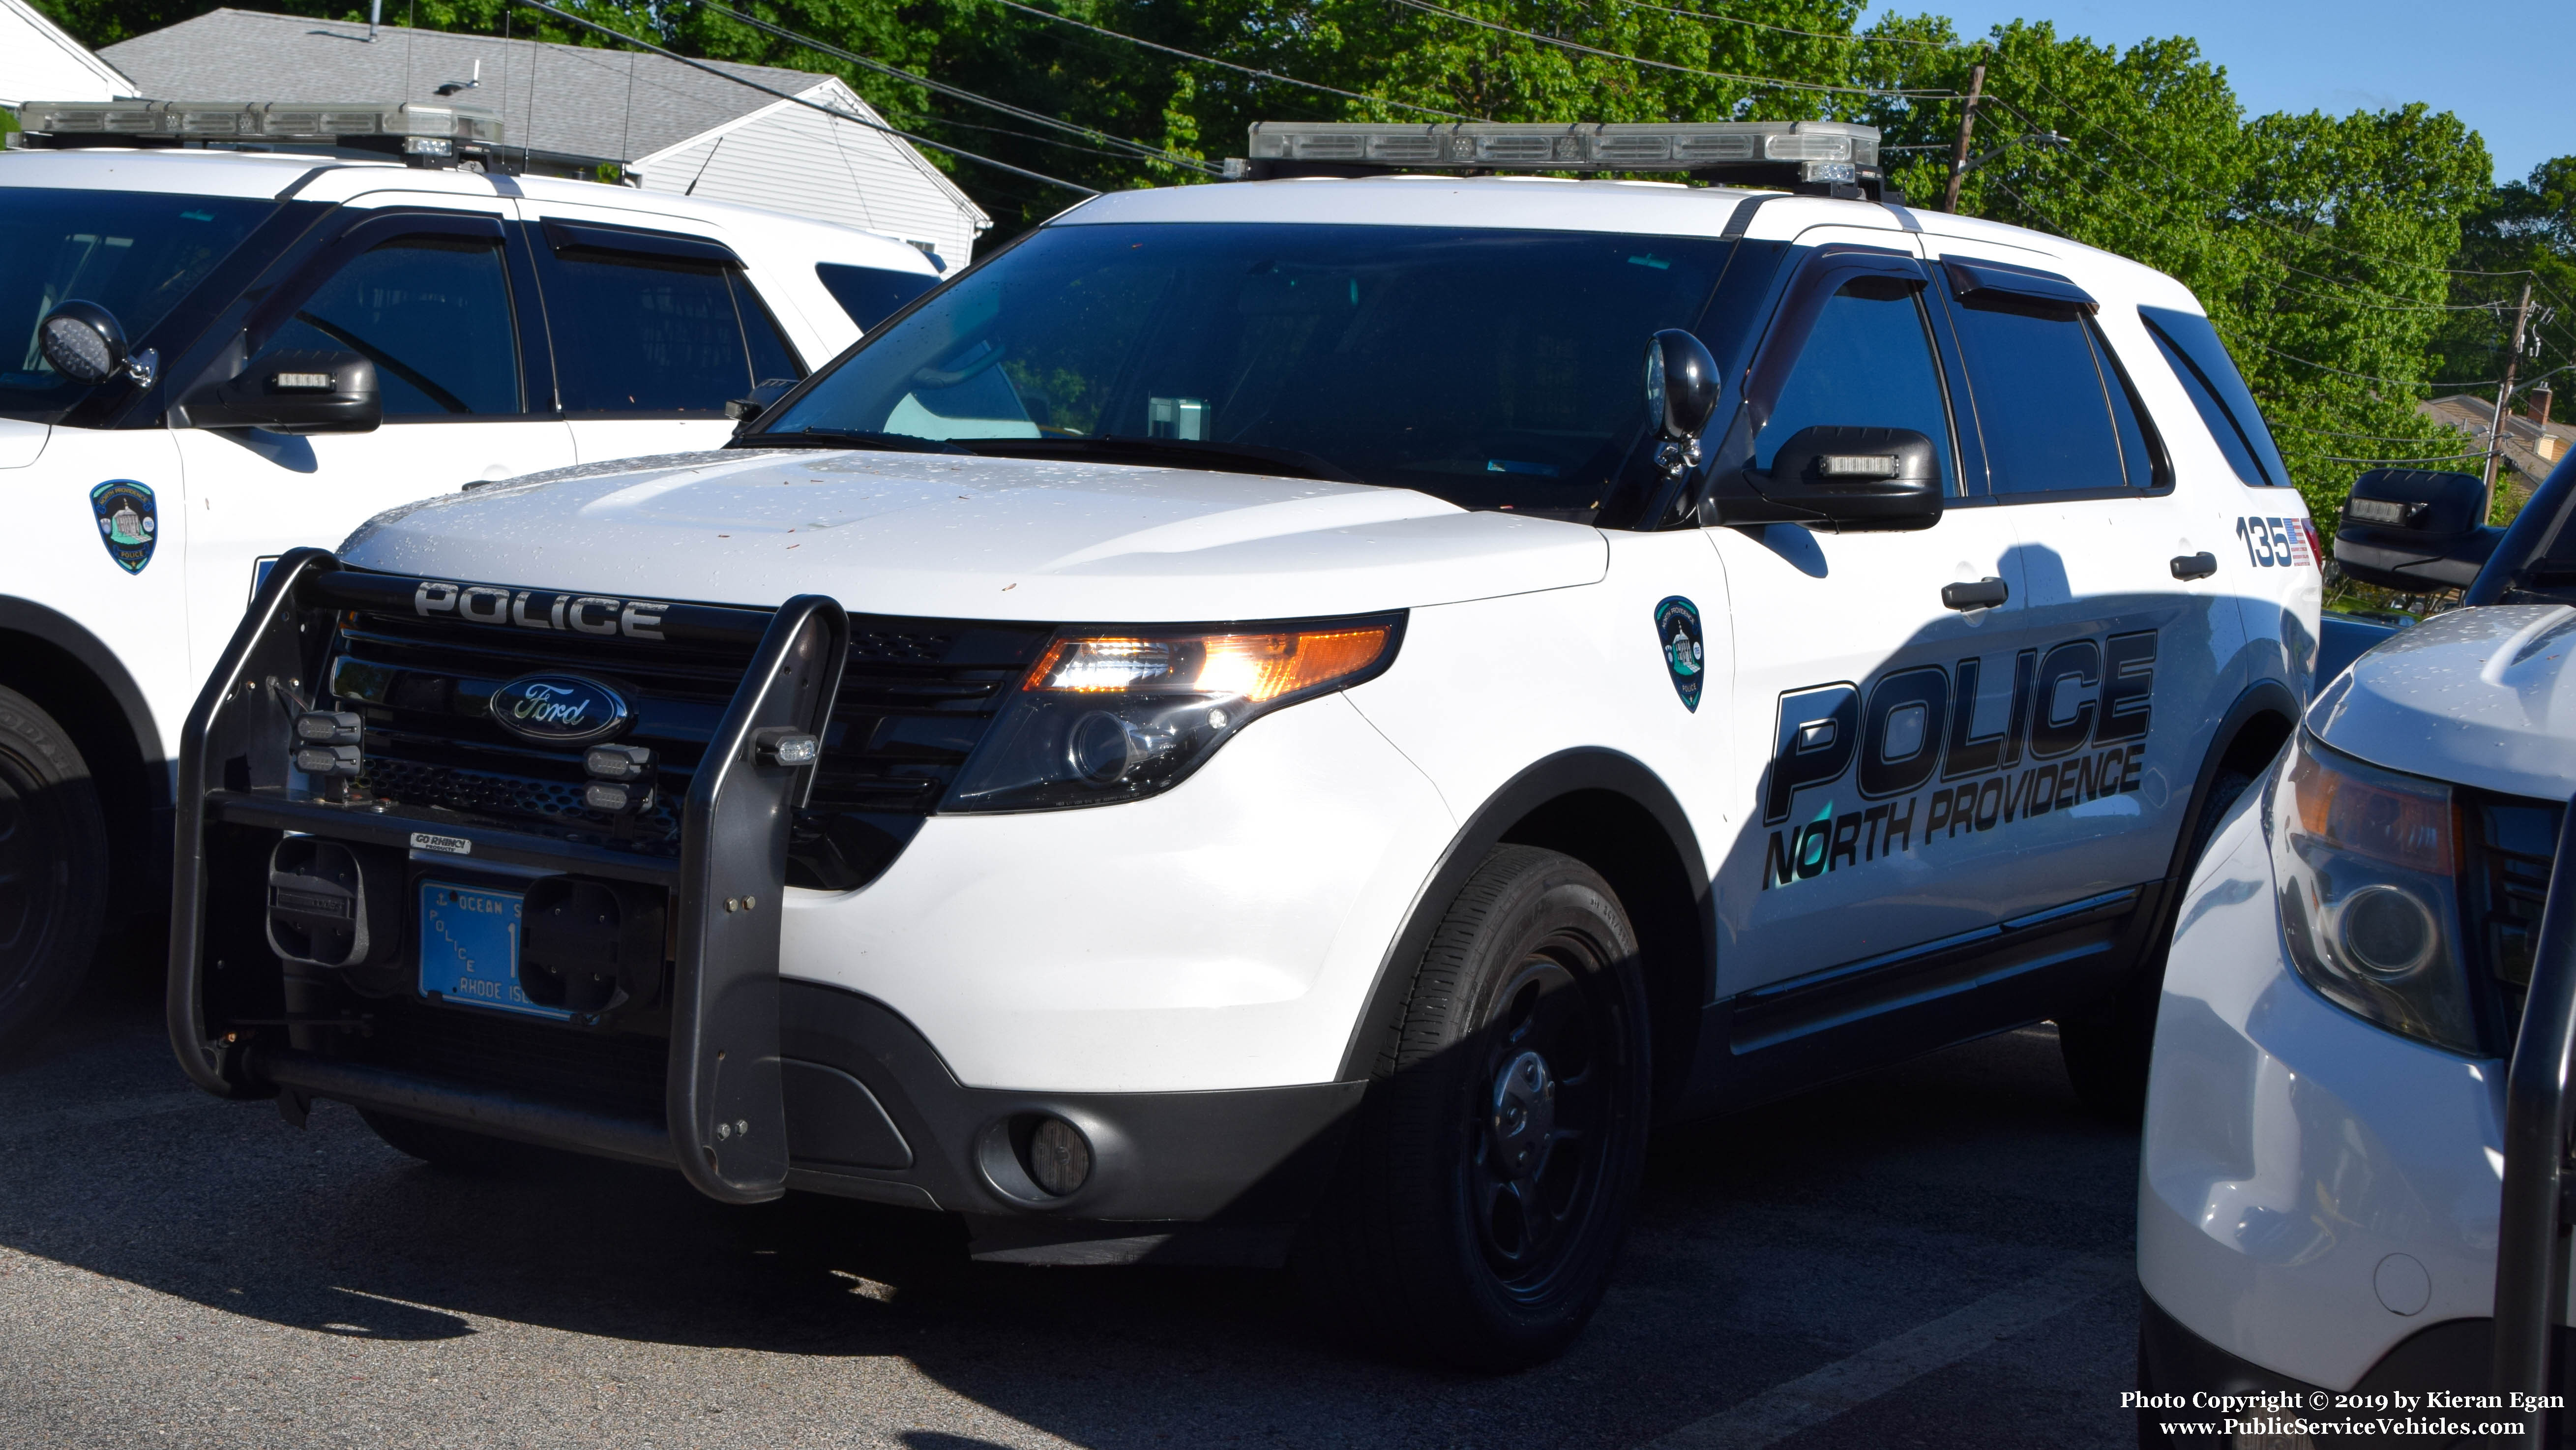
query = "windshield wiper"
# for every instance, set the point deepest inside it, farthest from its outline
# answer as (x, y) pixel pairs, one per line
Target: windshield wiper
(844, 438)
(1170, 453)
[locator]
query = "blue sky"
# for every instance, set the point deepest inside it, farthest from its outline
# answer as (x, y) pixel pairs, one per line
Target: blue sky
(2503, 72)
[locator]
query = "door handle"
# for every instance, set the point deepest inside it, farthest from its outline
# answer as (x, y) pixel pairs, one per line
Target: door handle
(2195, 566)
(1987, 593)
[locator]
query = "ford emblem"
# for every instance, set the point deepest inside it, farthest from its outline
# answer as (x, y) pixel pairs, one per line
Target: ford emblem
(559, 709)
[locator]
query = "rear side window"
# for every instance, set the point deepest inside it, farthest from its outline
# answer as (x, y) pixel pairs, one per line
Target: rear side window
(871, 294)
(2053, 407)
(2201, 364)
(433, 314)
(659, 336)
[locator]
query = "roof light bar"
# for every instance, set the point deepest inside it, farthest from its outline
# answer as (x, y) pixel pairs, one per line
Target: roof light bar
(1813, 154)
(259, 120)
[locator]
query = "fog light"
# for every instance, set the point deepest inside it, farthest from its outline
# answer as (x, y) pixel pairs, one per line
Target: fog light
(1099, 748)
(1058, 1156)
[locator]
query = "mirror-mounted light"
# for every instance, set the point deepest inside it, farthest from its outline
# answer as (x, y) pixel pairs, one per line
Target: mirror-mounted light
(86, 344)
(292, 390)
(1854, 479)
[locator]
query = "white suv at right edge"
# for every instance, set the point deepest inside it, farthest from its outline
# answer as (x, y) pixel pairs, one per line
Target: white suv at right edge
(2349, 1205)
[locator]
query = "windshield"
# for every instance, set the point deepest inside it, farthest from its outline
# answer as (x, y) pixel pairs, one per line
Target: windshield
(1495, 369)
(135, 253)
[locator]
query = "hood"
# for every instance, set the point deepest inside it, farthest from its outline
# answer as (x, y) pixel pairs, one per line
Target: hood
(977, 538)
(2481, 697)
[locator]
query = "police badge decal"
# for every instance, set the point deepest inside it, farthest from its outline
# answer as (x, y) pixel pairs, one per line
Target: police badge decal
(1685, 657)
(127, 523)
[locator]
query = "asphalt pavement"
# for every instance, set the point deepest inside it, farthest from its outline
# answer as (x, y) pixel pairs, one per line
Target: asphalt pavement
(1935, 1255)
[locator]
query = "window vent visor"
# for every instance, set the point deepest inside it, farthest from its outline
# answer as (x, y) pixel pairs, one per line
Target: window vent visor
(1982, 281)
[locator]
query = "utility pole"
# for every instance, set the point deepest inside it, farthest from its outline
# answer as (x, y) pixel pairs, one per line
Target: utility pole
(2504, 394)
(1959, 153)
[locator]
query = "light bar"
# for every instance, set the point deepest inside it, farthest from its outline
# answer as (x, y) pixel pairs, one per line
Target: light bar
(259, 120)
(1836, 150)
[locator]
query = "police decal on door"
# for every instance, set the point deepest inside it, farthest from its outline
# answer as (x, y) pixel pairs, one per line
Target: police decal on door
(2076, 731)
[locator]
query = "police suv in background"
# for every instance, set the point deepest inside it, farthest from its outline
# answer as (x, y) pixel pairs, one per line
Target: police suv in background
(1298, 716)
(227, 354)
(2357, 1121)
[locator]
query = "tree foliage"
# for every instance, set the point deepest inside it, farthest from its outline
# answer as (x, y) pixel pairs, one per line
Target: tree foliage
(2344, 258)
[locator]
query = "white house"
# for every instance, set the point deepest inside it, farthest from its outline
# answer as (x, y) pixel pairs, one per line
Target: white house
(40, 63)
(668, 126)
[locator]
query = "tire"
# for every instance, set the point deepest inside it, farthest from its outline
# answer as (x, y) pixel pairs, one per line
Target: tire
(453, 1150)
(53, 872)
(1489, 1179)
(2107, 1052)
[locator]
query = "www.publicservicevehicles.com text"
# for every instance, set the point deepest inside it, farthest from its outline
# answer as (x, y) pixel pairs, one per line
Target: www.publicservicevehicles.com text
(2291, 1412)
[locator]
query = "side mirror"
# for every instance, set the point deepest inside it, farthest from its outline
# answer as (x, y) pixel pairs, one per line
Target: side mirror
(2415, 530)
(293, 391)
(86, 344)
(1681, 394)
(1855, 479)
(767, 391)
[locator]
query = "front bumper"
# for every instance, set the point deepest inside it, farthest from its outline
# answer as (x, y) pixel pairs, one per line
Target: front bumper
(2313, 1191)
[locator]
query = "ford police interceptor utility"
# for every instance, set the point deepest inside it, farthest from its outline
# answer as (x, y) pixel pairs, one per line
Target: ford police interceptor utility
(1294, 717)
(230, 353)
(2351, 1196)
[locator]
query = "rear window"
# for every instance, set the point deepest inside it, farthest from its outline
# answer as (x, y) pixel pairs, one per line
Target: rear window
(871, 294)
(2053, 407)
(134, 253)
(656, 336)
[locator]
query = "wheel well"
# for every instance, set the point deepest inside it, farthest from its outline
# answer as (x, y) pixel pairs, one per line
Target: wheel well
(1622, 840)
(88, 711)
(2255, 743)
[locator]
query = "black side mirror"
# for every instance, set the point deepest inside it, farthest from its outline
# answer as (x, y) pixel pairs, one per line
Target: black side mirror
(1681, 393)
(1855, 479)
(767, 391)
(293, 391)
(2415, 530)
(86, 344)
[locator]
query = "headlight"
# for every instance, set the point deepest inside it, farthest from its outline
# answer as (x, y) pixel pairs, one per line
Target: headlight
(2369, 865)
(1109, 715)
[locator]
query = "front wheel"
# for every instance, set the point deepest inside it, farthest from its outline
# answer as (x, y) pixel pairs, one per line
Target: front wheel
(1490, 1178)
(54, 885)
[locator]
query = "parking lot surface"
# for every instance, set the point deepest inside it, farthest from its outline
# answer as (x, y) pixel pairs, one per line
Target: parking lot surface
(1934, 1255)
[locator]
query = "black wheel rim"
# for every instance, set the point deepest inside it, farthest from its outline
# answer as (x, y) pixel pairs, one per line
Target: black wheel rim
(1544, 1118)
(34, 877)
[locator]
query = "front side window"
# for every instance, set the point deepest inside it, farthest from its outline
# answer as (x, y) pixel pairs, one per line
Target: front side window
(2053, 408)
(1491, 368)
(1867, 363)
(649, 335)
(433, 314)
(134, 253)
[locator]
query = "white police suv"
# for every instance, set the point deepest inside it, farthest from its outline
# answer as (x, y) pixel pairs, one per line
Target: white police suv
(225, 354)
(1297, 716)
(2350, 1207)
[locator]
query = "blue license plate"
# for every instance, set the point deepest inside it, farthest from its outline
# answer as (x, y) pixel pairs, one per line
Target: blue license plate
(469, 948)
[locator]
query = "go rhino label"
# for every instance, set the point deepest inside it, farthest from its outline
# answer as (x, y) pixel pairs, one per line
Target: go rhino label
(2075, 730)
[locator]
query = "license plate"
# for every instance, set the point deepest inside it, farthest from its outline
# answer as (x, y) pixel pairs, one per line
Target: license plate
(469, 948)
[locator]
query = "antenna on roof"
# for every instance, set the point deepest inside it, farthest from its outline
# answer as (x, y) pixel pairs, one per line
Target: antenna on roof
(375, 12)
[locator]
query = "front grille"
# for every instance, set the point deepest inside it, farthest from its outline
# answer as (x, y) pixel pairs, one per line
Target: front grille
(2511, 842)
(916, 696)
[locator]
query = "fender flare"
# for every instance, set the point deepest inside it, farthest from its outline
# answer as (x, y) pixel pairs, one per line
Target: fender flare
(1588, 768)
(25, 616)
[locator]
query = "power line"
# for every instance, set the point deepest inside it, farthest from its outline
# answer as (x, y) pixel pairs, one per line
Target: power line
(1266, 75)
(832, 111)
(2116, 139)
(1793, 30)
(2371, 377)
(1443, 11)
(1154, 153)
